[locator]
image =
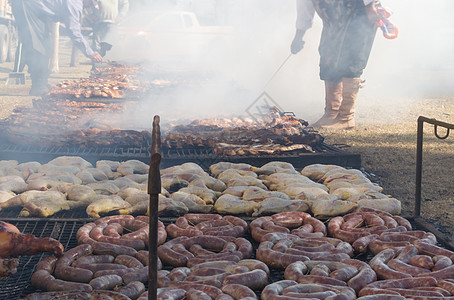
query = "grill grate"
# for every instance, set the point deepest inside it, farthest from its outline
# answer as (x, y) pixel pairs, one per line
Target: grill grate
(324, 154)
(18, 285)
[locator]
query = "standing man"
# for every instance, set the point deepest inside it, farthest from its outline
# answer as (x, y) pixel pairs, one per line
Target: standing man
(107, 13)
(34, 19)
(349, 28)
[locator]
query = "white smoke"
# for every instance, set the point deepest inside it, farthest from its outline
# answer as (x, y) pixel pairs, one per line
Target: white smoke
(420, 62)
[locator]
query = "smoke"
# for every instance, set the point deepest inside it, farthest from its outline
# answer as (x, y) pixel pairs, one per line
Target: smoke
(230, 79)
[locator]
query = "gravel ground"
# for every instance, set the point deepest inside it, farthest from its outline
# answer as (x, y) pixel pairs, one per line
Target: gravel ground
(385, 139)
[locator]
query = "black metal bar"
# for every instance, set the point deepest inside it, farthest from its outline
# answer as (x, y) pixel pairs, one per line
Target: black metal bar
(154, 188)
(419, 152)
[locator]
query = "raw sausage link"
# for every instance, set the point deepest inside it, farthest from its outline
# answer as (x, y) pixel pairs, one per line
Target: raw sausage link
(64, 271)
(133, 289)
(106, 282)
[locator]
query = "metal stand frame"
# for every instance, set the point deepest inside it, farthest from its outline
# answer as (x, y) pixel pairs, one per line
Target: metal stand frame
(154, 188)
(419, 150)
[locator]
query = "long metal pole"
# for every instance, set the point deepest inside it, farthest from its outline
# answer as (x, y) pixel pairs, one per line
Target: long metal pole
(154, 188)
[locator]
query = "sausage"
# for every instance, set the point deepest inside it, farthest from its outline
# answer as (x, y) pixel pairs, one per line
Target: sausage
(193, 294)
(382, 297)
(445, 273)
(403, 222)
(128, 261)
(197, 260)
(290, 219)
(41, 278)
(276, 259)
(407, 253)
(446, 285)
(399, 265)
(422, 261)
(344, 274)
(113, 230)
(275, 289)
(441, 262)
(432, 250)
(212, 291)
(255, 279)
(137, 275)
(58, 295)
(433, 289)
(110, 294)
(133, 289)
(221, 264)
(179, 273)
(106, 282)
(64, 271)
(365, 276)
(114, 219)
(119, 272)
(320, 280)
(360, 245)
(379, 265)
(62, 285)
(47, 264)
(254, 264)
(174, 231)
(377, 245)
(295, 270)
(409, 293)
(167, 294)
(101, 267)
(168, 255)
(93, 259)
(238, 291)
(320, 270)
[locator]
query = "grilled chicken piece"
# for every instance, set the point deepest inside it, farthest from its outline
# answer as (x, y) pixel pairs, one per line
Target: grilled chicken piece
(207, 195)
(236, 190)
(76, 161)
(275, 167)
(253, 193)
(274, 205)
(106, 204)
(346, 174)
(232, 173)
(13, 183)
(172, 184)
(108, 167)
(13, 243)
(31, 165)
(104, 187)
(5, 196)
(38, 198)
(139, 178)
(317, 171)
(331, 208)
(229, 204)
(303, 192)
(185, 168)
(133, 167)
(209, 183)
(390, 205)
(90, 175)
(193, 202)
(76, 194)
(43, 204)
(166, 206)
(278, 180)
(220, 167)
(50, 169)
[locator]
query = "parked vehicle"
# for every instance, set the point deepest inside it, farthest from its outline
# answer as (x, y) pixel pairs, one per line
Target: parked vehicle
(171, 35)
(8, 33)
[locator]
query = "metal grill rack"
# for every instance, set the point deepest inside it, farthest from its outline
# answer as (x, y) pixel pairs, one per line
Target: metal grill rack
(18, 285)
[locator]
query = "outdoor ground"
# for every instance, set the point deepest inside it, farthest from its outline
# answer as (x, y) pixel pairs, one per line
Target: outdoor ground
(385, 139)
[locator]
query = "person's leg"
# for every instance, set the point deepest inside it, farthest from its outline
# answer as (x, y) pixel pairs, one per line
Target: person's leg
(346, 116)
(333, 97)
